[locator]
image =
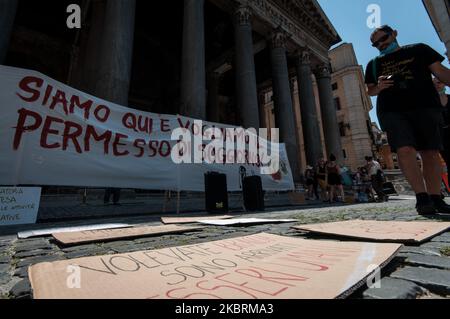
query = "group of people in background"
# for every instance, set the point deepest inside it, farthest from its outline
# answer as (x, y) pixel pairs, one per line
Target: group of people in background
(445, 102)
(414, 114)
(327, 179)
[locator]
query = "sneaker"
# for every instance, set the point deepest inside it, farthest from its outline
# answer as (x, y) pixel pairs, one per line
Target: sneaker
(441, 206)
(426, 208)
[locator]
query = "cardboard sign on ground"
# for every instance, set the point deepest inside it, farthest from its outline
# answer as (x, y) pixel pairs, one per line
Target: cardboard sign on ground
(391, 231)
(261, 266)
(111, 234)
(246, 221)
(49, 231)
(189, 220)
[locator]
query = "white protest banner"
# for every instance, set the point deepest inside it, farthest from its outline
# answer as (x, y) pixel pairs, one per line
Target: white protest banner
(52, 134)
(19, 205)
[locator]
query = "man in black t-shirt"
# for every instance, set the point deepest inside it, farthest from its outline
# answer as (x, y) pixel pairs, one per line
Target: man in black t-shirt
(409, 111)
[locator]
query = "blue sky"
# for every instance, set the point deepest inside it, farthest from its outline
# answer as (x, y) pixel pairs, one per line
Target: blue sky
(409, 17)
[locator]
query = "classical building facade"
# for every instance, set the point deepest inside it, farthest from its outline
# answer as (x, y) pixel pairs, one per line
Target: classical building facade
(351, 106)
(208, 59)
(439, 12)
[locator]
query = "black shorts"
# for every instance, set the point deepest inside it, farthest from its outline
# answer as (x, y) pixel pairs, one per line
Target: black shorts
(420, 129)
(446, 139)
(334, 179)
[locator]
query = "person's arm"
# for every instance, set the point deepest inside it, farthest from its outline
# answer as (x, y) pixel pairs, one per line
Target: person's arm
(376, 89)
(372, 90)
(441, 72)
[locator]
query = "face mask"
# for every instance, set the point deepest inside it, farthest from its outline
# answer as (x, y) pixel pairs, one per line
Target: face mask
(391, 48)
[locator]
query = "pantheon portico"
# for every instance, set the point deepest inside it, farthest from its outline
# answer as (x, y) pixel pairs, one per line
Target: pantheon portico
(207, 59)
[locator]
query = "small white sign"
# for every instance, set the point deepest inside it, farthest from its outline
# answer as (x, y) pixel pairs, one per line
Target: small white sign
(19, 205)
(49, 231)
(246, 221)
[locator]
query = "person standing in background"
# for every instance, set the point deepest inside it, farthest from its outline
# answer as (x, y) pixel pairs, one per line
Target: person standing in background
(376, 178)
(445, 102)
(309, 176)
(115, 192)
(335, 180)
(409, 110)
(321, 174)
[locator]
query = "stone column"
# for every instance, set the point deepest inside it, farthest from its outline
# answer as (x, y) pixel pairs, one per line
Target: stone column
(328, 110)
(103, 67)
(88, 55)
(310, 121)
(262, 112)
(246, 91)
(117, 51)
(284, 112)
(8, 9)
(213, 97)
(193, 74)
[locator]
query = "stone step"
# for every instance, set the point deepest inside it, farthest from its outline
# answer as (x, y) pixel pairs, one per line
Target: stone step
(436, 280)
(429, 261)
(391, 288)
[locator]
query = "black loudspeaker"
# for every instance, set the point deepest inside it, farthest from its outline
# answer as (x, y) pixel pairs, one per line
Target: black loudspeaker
(216, 193)
(389, 189)
(253, 194)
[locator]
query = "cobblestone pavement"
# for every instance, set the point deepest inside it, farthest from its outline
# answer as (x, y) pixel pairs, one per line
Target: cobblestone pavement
(416, 272)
